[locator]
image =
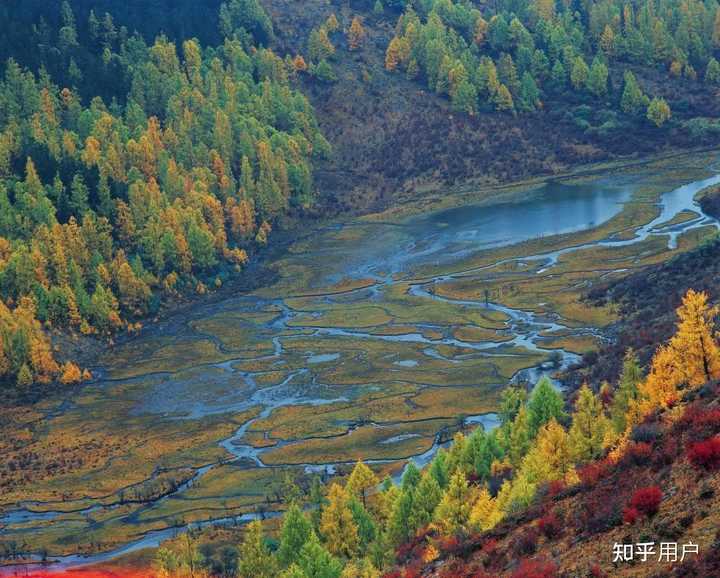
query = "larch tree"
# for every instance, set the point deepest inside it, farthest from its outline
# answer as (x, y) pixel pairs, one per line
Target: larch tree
(579, 73)
(361, 480)
(589, 426)
(484, 514)
(337, 524)
(453, 511)
(550, 457)
(658, 111)
(356, 34)
(694, 342)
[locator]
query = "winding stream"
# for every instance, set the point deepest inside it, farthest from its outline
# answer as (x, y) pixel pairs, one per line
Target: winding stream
(390, 254)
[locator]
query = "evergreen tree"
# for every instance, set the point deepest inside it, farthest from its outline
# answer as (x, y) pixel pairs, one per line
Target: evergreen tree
(598, 78)
(256, 561)
(529, 97)
(545, 404)
(658, 112)
(316, 562)
(453, 511)
(626, 392)
(589, 427)
(295, 532)
(633, 100)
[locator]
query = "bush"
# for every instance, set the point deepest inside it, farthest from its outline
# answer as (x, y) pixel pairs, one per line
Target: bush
(535, 569)
(645, 433)
(647, 500)
(630, 515)
(705, 454)
(638, 453)
(550, 525)
(593, 472)
(699, 420)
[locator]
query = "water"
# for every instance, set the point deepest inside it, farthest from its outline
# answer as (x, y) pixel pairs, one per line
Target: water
(398, 249)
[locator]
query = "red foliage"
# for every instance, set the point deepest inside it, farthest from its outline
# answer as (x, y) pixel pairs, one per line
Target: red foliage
(414, 570)
(668, 452)
(393, 574)
(596, 572)
(449, 545)
(555, 487)
(699, 420)
(705, 454)
(638, 453)
(647, 500)
(630, 515)
(536, 569)
(490, 546)
(550, 525)
(593, 472)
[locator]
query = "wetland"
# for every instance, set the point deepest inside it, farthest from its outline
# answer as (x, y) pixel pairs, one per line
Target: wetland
(380, 338)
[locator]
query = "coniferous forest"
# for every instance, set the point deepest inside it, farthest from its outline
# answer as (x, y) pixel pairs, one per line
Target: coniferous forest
(359, 289)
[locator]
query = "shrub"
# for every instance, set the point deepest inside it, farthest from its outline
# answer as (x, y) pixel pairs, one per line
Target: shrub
(645, 432)
(647, 500)
(668, 452)
(555, 487)
(550, 525)
(638, 453)
(593, 472)
(630, 515)
(526, 542)
(535, 569)
(705, 454)
(700, 420)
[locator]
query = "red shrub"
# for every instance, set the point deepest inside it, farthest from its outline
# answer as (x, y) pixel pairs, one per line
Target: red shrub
(638, 453)
(449, 544)
(535, 569)
(596, 572)
(705, 454)
(414, 570)
(550, 525)
(701, 420)
(668, 452)
(489, 547)
(555, 487)
(647, 500)
(630, 515)
(393, 574)
(593, 472)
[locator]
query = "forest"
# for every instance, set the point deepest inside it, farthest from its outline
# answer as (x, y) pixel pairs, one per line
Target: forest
(107, 207)
(155, 154)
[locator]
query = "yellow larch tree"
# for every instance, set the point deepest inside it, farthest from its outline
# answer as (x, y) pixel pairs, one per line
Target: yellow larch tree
(337, 524)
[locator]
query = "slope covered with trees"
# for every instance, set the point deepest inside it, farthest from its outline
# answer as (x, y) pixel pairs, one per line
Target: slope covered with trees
(107, 206)
(448, 519)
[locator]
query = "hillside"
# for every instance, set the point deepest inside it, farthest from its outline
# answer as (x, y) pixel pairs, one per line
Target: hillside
(506, 385)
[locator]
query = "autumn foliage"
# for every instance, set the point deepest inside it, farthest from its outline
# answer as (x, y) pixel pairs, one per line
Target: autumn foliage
(705, 454)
